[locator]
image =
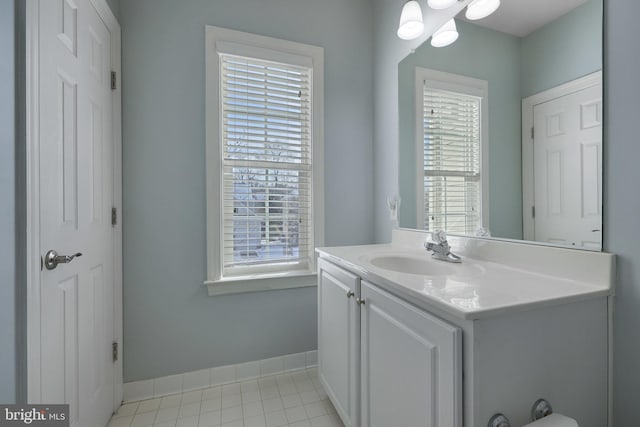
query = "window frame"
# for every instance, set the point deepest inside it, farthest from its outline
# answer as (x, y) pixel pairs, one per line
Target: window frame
(225, 41)
(464, 85)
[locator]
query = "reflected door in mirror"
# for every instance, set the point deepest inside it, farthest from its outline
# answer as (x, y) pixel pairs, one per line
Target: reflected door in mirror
(567, 158)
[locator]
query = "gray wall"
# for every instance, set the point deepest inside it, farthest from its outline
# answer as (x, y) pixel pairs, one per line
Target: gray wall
(115, 7)
(622, 199)
(8, 328)
(170, 324)
(563, 50)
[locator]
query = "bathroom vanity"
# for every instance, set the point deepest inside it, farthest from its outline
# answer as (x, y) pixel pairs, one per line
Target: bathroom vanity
(405, 340)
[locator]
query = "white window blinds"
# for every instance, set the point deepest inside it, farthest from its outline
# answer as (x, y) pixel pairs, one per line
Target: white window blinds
(267, 166)
(451, 161)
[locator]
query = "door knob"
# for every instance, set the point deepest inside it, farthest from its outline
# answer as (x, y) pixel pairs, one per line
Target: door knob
(52, 259)
(350, 293)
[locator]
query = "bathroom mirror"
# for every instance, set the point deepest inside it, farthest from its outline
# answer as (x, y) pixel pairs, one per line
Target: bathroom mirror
(500, 133)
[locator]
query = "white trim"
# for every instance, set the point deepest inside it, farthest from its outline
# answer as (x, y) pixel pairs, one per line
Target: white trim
(460, 84)
(32, 30)
(268, 55)
(116, 101)
(216, 376)
(528, 105)
(271, 282)
(228, 40)
(34, 354)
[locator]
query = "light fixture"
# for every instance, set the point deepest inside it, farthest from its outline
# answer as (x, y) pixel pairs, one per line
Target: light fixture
(479, 9)
(411, 25)
(441, 4)
(446, 35)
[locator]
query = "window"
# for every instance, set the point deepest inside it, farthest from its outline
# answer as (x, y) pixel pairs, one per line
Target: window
(264, 157)
(451, 125)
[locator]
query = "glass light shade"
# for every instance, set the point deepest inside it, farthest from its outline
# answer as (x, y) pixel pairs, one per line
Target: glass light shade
(446, 35)
(441, 4)
(411, 25)
(479, 9)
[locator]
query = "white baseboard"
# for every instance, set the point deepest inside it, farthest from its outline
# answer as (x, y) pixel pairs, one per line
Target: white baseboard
(204, 378)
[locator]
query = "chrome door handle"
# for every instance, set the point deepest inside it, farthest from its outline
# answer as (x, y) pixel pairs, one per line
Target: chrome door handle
(52, 259)
(350, 293)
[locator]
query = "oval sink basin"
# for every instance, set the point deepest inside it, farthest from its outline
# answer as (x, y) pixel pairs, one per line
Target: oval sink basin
(422, 266)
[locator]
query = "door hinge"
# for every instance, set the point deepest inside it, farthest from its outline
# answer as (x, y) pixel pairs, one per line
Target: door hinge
(114, 81)
(114, 217)
(533, 133)
(533, 211)
(114, 351)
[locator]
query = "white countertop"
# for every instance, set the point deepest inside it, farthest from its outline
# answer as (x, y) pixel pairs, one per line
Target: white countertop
(476, 288)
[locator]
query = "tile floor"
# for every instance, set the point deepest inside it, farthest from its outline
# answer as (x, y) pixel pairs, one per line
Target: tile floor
(294, 399)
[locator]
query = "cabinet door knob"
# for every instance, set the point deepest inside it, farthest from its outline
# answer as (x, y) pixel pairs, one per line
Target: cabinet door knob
(360, 301)
(499, 420)
(350, 293)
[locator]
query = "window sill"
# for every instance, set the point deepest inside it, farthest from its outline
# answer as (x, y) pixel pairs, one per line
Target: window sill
(238, 285)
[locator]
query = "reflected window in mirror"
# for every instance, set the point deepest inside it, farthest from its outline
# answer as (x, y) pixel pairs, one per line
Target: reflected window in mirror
(450, 142)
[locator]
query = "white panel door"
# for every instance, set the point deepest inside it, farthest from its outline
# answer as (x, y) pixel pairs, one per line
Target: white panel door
(567, 169)
(339, 339)
(76, 196)
(411, 365)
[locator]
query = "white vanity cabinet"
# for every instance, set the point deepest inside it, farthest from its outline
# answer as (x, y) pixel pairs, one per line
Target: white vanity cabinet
(390, 355)
(382, 361)
(411, 364)
(339, 339)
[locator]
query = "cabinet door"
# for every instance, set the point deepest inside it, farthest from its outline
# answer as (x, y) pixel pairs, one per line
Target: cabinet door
(411, 365)
(339, 339)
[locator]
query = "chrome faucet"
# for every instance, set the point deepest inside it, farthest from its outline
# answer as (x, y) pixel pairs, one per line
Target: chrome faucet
(440, 248)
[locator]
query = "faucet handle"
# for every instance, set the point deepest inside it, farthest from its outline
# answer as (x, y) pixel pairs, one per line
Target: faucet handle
(439, 236)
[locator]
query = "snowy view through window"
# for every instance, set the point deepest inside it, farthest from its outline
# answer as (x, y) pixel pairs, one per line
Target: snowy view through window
(267, 162)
